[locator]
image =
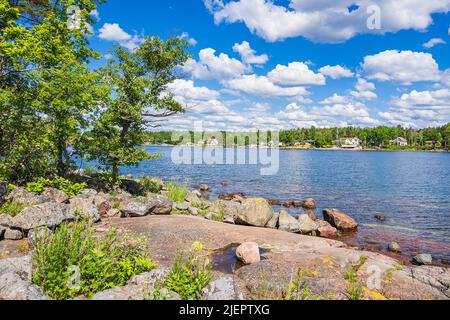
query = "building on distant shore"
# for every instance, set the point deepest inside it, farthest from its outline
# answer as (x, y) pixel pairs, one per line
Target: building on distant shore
(401, 142)
(213, 142)
(350, 143)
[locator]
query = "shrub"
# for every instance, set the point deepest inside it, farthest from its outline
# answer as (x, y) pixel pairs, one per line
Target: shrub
(100, 263)
(13, 208)
(68, 187)
(190, 274)
(176, 193)
(152, 185)
(355, 287)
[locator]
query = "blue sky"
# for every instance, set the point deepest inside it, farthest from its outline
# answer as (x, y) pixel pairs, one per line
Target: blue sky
(260, 64)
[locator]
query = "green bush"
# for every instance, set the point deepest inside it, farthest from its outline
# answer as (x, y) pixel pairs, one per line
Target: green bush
(68, 187)
(152, 185)
(190, 274)
(176, 193)
(354, 286)
(12, 208)
(103, 263)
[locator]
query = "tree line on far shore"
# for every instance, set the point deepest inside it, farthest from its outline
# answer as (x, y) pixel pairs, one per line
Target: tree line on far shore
(378, 137)
(54, 106)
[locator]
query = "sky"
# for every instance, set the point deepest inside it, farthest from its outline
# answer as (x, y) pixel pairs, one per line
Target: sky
(281, 64)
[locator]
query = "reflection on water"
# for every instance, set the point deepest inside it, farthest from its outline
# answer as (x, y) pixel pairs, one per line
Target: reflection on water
(411, 189)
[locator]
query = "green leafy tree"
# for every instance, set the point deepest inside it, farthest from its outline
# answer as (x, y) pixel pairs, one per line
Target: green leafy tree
(138, 100)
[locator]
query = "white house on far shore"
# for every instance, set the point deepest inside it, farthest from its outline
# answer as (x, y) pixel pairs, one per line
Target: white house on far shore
(351, 143)
(402, 142)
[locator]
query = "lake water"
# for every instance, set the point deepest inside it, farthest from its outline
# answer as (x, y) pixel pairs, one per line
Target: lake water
(412, 189)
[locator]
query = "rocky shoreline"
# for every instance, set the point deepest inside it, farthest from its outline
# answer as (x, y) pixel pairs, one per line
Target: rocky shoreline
(252, 224)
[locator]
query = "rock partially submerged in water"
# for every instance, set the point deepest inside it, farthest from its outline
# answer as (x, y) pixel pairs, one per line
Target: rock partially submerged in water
(340, 220)
(423, 259)
(307, 226)
(394, 247)
(309, 204)
(380, 218)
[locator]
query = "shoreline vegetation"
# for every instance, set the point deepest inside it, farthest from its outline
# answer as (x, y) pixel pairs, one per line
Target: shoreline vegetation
(350, 138)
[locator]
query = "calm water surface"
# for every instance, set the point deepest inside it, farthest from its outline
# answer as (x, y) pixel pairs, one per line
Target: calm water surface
(411, 189)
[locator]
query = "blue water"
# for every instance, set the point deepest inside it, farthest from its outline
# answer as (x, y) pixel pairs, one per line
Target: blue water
(412, 189)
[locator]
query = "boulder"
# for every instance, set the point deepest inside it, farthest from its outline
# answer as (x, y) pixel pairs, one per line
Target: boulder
(193, 197)
(150, 279)
(204, 188)
(297, 203)
(380, 218)
(326, 230)
(394, 247)
(273, 223)
(248, 253)
(5, 220)
(288, 223)
(340, 220)
(230, 211)
(423, 259)
(22, 196)
(84, 205)
(13, 287)
(55, 195)
(255, 212)
(287, 204)
(113, 213)
(158, 204)
(312, 215)
(222, 289)
(13, 234)
(436, 277)
(309, 204)
(182, 206)
(136, 209)
(103, 204)
(193, 211)
(274, 202)
(22, 266)
(306, 225)
(50, 215)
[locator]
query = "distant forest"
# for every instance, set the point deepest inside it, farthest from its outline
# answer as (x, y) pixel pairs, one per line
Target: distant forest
(379, 137)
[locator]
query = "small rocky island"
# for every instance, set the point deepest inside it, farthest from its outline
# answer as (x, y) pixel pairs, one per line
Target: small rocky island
(270, 251)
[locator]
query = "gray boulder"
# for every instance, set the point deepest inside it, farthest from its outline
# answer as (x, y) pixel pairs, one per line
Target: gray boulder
(29, 198)
(84, 205)
(12, 234)
(222, 289)
(13, 287)
(288, 223)
(55, 195)
(126, 293)
(136, 209)
(273, 223)
(307, 226)
(423, 259)
(182, 206)
(255, 212)
(158, 204)
(50, 215)
(5, 220)
(22, 265)
(394, 247)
